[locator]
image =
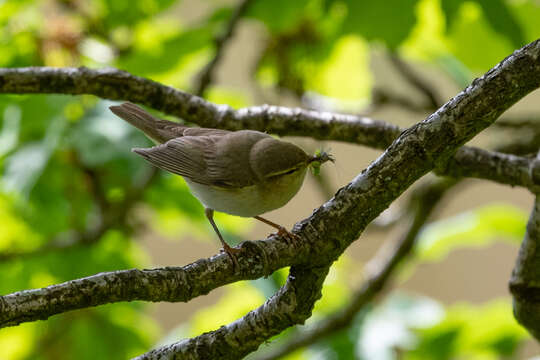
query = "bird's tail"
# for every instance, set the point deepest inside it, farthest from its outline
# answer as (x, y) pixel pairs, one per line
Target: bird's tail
(156, 129)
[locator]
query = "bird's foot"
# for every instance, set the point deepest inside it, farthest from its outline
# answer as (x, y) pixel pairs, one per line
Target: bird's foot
(232, 254)
(292, 239)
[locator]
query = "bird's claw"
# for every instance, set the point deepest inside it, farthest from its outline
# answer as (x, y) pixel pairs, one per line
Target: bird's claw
(292, 239)
(232, 254)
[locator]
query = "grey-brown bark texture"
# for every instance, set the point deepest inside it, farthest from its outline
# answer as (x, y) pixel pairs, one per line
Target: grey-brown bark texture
(430, 144)
(525, 281)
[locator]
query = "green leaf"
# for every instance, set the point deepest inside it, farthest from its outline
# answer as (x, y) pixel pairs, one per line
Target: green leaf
(17, 342)
(165, 51)
(387, 21)
(344, 75)
(239, 299)
(421, 329)
(279, 15)
(503, 21)
(494, 47)
(527, 13)
(111, 14)
(16, 234)
(486, 331)
(497, 14)
(479, 227)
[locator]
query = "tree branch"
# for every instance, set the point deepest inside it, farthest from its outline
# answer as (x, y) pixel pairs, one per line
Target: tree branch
(115, 84)
(206, 75)
(173, 284)
(423, 202)
(525, 281)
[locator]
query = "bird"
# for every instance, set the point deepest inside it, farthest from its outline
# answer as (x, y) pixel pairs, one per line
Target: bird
(243, 173)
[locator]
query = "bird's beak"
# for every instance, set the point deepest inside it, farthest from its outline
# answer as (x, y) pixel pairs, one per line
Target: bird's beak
(321, 157)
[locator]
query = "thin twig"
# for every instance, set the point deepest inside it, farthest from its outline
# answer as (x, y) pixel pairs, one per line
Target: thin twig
(524, 283)
(205, 77)
(416, 81)
(382, 97)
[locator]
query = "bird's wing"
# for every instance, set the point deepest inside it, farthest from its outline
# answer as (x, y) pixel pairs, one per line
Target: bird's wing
(195, 131)
(231, 165)
(221, 159)
(185, 156)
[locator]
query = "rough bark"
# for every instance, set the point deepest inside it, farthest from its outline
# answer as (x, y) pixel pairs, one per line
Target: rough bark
(525, 280)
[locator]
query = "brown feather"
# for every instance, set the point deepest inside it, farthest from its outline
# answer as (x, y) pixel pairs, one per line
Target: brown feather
(156, 129)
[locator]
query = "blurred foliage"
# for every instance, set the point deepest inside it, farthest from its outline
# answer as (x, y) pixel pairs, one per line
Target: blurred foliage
(411, 327)
(67, 176)
(479, 227)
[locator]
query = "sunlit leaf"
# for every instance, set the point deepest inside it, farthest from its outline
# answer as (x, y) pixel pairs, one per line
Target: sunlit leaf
(112, 14)
(478, 227)
(234, 99)
(278, 15)
(336, 291)
(344, 76)
(18, 342)
(387, 21)
(496, 12)
(166, 49)
(239, 299)
(16, 234)
(466, 48)
(486, 331)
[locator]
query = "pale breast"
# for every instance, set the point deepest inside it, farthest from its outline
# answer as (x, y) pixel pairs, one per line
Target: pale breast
(252, 200)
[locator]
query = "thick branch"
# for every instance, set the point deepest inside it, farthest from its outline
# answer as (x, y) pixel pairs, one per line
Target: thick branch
(422, 204)
(291, 305)
(173, 284)
(114, 84)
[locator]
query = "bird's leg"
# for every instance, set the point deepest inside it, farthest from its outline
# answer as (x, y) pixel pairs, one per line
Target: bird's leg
(229, 250)
(288, 236)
